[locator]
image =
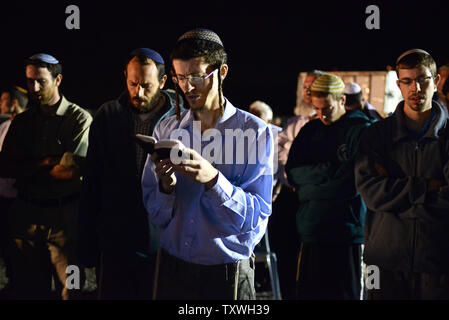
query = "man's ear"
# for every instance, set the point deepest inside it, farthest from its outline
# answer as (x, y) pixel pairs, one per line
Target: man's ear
(58, 80)
(343, 100)
(436, 81)
(162, 82)
(224, 71)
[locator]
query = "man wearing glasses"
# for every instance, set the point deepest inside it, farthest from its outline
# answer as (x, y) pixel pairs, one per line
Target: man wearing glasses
(402, 174)
(211, 211)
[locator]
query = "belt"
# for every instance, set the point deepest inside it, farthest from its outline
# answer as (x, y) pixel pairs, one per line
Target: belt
(55, 202)
(200, 268)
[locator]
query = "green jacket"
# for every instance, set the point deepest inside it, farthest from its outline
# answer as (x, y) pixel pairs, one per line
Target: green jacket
(321, 168)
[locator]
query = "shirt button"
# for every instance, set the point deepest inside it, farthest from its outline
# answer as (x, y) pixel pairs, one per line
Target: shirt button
(191, 220)
(186, 243)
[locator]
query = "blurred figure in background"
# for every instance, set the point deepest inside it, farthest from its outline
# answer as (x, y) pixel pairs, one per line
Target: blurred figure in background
(354, 101)
(264, 111)
(445, 92)
(13, 102)
(282, 227)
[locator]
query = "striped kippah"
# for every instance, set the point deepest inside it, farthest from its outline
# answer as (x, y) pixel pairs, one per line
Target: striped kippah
(44, 57)
(329, 83)
(202, 34)
(406, 53)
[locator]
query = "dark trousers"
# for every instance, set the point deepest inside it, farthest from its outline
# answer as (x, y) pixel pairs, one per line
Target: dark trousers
(126, 276)
(329, 272)
(181, 280)
(42, 245)
(406, 285)
(5, 203)
(284, 240)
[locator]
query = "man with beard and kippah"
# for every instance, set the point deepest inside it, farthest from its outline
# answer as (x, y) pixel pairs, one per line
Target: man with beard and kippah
(44, 150)
(114, 224)
(402, 174)
(331, 212)
(213, 207)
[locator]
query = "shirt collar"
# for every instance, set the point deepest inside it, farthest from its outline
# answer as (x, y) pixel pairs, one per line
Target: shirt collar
(188, 119)
(437, 122)
(60, 111)
(63, 106)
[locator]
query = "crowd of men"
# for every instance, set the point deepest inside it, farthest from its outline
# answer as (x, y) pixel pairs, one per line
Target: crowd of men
(338, 186)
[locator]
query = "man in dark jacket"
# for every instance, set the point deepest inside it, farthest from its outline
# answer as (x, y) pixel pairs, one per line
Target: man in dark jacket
(402, 175)
(331, 213)
(114, 223)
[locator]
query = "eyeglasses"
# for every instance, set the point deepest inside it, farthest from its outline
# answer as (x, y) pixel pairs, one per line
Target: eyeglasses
(420, 80)
(193, 80)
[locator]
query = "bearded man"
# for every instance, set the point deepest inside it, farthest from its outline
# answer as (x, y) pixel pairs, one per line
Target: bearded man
(115, 235)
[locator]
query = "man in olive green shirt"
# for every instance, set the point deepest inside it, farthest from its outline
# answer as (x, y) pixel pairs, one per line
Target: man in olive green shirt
(44, 150)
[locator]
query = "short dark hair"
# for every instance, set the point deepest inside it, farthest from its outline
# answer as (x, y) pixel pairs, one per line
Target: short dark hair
(54, 68)
(445, 88)
(16, 92)
(212, 53)
(143, 60)
(416, 59)
(355, 98)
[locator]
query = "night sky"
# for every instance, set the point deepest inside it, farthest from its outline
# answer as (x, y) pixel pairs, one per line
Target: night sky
(268, 43)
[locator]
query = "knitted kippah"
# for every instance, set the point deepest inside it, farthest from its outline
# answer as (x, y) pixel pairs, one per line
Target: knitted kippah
(149, 53)
(44, 57)
(202, 34)
(406, 53)
(352, 88)
(329, 83)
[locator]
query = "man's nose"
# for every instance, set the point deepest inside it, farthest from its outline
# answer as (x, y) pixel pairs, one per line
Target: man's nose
(188, 86)
(415, 85)
(140, 91)
(36, 86)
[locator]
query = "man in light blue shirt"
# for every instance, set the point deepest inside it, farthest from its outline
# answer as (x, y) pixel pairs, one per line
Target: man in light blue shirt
(213, 208)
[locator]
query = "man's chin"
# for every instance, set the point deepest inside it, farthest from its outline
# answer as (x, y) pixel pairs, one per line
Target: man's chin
(417, 107)
(141, 107)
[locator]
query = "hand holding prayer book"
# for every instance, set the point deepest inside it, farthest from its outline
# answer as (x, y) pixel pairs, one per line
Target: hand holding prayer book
(162, 147)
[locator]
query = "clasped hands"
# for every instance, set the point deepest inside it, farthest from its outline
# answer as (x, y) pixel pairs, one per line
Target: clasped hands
(432, 184)
(61, 168)
(193, 166)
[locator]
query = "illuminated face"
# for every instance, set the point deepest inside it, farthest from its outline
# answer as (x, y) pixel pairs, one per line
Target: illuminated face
(308, 81)
(198, 80)
(42, 87)
(417, 87)
(5, 102)
(144, 87)
(328, 109)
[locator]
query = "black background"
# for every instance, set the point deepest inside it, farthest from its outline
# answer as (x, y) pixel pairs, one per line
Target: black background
(268, 43)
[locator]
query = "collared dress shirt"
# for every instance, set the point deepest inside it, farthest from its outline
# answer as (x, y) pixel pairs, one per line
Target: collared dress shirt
(222, 224)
